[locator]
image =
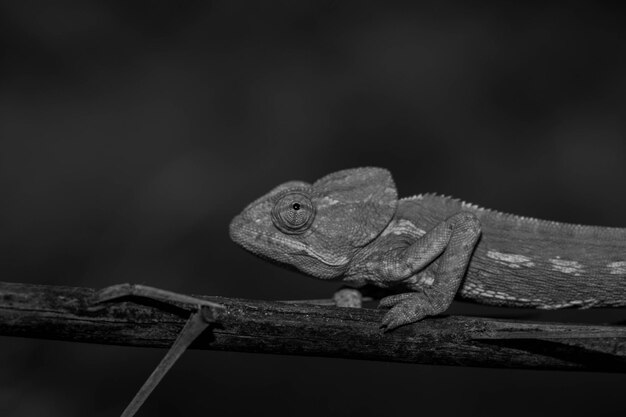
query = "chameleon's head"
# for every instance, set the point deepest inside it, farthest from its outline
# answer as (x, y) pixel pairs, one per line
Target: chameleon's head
(317, 228)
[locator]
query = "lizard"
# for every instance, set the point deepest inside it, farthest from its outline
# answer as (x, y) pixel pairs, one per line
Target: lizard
(351, 226)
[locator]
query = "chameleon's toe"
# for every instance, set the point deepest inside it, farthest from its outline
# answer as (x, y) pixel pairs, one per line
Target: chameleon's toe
(392, 300)
(391, 321)
(405, 309)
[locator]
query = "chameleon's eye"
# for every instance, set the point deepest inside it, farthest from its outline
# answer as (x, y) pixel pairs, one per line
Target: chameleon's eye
(293, 212)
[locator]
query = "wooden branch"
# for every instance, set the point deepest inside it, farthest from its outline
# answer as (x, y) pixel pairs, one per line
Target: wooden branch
(54, 312)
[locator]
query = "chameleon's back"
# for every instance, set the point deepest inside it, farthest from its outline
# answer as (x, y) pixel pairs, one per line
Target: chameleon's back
(527, 262)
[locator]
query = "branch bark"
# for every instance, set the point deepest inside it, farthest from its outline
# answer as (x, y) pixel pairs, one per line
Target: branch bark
(55, 312)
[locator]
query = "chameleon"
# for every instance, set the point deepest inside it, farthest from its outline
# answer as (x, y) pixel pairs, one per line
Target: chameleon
(350, 226)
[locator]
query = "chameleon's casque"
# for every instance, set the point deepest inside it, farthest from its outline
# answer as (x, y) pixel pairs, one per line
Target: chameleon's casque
(350, 225)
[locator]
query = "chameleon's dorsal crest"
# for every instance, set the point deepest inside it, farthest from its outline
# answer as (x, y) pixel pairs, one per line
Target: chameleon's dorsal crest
(356, 203)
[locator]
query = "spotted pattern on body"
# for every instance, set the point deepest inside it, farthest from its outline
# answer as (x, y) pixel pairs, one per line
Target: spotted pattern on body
(566, 266)
(617, 268)
(512, 260)
(471, 290)
(500, 297)
(403, 227)
(582, 304)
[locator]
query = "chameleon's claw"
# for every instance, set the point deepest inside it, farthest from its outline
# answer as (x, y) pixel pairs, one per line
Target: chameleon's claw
(406, 308)
(390, 323)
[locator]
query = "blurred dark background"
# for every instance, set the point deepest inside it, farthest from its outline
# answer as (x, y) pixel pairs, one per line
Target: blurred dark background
(132, 131)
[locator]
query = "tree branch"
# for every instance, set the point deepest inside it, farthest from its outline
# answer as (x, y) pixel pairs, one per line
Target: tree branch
(55, 312)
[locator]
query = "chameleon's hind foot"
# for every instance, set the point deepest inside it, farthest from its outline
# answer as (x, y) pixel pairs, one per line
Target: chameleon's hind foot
(348, 297)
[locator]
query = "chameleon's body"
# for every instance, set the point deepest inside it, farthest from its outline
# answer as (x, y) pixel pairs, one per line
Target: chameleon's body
(527, 262)
(351, 226)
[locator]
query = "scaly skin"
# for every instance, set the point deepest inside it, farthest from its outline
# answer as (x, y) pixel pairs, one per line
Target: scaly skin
(351, 226)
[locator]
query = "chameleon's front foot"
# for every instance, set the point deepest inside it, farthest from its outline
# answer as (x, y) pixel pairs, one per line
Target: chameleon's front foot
(408, 308)
(452, 242)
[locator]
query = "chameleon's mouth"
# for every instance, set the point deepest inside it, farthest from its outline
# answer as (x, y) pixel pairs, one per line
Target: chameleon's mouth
(255, 240)
(240, 234)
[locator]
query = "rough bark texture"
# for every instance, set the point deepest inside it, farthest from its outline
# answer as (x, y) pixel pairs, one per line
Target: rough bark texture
(54, 312)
